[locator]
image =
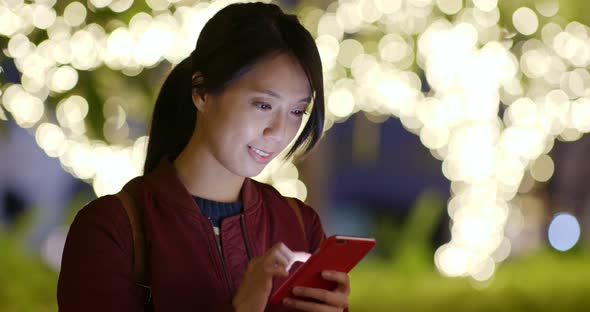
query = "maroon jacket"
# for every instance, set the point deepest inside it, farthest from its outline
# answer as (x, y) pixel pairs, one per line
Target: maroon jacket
(187, 272)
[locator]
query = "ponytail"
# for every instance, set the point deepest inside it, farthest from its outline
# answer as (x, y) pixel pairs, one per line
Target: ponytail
(174, 116)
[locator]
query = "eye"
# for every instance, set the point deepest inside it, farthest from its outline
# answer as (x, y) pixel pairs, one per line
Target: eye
(299, 112)
(262, 105)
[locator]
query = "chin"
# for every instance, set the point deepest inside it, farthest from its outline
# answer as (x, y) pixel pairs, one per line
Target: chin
(249, 171)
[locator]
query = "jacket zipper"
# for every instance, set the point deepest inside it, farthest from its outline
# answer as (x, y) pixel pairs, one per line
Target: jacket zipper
(218, 244)
(245, 236)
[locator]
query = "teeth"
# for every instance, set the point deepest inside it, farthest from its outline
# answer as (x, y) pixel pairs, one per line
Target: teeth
(259, 152)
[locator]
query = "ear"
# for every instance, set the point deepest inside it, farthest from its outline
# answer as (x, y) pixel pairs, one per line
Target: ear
(198, 92)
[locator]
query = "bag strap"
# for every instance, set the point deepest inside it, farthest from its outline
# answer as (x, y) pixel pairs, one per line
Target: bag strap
(297, 210)
(139, 244)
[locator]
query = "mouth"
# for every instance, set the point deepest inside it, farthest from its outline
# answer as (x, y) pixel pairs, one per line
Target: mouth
(260, 156)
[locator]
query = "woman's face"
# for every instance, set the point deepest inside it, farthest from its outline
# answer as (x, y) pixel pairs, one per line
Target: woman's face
(255, 117)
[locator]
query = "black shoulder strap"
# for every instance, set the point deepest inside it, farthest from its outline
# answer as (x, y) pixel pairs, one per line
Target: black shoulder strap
(139, 246)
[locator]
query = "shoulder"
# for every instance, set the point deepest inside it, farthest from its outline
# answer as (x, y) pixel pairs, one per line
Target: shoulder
(103, 217)
(104, 207)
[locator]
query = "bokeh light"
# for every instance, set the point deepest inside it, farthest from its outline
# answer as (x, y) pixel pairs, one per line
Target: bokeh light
(542, 168)
(564, 231)
(525, 21)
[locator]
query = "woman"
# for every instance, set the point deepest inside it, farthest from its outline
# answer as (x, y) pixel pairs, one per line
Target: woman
(216, 239)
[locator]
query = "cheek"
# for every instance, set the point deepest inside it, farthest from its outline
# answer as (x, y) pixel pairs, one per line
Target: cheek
(240, 132)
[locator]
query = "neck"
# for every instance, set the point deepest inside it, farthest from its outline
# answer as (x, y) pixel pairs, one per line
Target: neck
(203, 175)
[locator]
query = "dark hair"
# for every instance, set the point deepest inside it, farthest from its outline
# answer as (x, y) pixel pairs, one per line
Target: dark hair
(230, 44)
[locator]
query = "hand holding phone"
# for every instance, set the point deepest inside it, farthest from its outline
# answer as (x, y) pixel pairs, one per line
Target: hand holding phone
(336, 253)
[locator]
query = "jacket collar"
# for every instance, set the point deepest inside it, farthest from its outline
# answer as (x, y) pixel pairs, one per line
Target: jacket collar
(164, 183)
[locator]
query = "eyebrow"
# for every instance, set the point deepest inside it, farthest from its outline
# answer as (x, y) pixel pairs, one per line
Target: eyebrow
(276, 95)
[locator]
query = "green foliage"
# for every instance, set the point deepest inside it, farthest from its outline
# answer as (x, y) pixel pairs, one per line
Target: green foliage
(415, 251)
(544, 281)
(26, 284)
(408, 245)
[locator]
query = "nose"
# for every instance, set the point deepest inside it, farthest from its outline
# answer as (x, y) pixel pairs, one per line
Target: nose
(276, 129)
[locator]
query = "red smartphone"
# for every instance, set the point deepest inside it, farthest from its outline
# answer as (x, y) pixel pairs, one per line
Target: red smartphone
(336, 253)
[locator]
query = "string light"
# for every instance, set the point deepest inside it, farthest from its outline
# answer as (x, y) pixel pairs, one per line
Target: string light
(371, 51)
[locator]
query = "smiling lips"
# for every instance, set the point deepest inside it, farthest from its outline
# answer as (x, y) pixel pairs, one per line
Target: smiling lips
(260, 156)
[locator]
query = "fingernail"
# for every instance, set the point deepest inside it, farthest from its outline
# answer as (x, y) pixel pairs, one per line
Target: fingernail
(326, 274)
(287, 301)
(297, 290)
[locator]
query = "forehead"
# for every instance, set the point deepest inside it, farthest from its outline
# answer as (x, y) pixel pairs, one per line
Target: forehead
(280, 73)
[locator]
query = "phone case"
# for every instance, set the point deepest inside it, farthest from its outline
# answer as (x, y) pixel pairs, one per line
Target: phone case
(336, 253)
